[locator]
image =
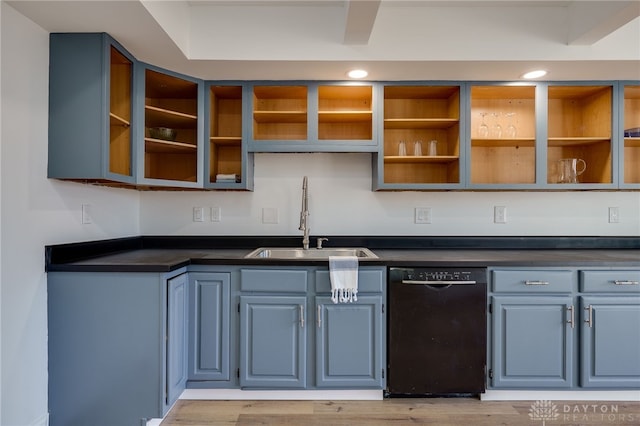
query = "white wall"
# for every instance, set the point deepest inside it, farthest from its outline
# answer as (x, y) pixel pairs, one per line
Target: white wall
(34, 212)
(342, 203)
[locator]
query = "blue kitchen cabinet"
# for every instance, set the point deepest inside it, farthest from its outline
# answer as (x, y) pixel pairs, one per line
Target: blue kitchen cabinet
(227, 160)
(349, 343)
(312, 117)
(91, 115)
(177, 308)
(210, 327)
(629, 127)
(422, 127)
(116, 346)
(171, 115)
(610, 329)
(532, 342)
(273, 341)
(291, 333)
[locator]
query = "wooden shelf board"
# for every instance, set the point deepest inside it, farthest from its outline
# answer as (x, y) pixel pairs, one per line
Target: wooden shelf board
(419, 123)
(159, 145)
(344, 116)
(280, 116)
(171, 112)
(226, 140)
(504, 142)
(420, 159)
(632, 142)
(576, 141)
(116, 120)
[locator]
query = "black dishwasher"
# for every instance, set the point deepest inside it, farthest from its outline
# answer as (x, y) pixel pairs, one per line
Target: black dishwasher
(437, 331)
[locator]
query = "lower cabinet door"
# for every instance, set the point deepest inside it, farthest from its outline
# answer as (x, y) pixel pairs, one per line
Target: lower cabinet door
(176, 337)
(209, 329)
(273, 341)
(349, 343)
(533, 339)
(610, 341)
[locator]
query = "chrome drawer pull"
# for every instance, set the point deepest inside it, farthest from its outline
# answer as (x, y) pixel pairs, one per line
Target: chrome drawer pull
(589, 319)
(301, 316)
(529, 282)
(626, 282)
(571, 318)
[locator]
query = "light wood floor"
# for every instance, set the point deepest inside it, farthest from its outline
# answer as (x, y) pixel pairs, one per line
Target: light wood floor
(402, 411)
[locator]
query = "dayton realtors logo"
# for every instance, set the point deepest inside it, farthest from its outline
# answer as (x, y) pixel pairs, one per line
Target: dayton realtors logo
(599, 414)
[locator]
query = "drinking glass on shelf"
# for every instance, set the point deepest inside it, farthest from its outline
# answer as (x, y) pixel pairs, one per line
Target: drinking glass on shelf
(402, 149)
(433, 148)
(511, 131)
(496, 128)
(417, 148)
(483, 129)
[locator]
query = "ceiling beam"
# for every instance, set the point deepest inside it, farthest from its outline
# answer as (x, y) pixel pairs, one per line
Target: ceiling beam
(590, 21)
(361, 15)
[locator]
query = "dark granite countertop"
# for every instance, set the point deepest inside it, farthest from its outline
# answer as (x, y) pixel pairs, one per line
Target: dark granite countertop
(164, 254)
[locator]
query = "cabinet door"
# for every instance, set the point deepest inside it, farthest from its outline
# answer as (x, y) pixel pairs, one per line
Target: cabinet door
(90, 109)
(349, 343)
(630, 128)
(176, 337)
(610, 342)
(273, 341)
(171, 154)
(532, 341)
(209, 327)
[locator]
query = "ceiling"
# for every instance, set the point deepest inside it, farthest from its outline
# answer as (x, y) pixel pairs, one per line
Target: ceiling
(393, 39)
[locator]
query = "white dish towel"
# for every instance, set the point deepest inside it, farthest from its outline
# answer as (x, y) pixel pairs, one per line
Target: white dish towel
(343, 272)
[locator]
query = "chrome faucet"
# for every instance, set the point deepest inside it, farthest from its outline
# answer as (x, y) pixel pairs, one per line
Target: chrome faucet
(304, 215)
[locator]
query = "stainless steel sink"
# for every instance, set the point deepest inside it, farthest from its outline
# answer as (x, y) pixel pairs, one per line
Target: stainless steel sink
(300, 253)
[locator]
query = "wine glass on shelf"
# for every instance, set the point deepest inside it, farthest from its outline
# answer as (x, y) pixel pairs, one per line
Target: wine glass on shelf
(511, 131)
(496, 128)
(483, 129)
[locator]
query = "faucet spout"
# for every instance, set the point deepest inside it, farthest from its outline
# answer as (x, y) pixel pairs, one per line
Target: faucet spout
(304, 214)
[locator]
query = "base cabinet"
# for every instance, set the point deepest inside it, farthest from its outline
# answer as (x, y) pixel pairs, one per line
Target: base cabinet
(116, 346)
(293, 336)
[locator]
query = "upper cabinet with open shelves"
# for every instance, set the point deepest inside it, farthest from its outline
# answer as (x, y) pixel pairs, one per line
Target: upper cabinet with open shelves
(421, 130)
(312, 117)
(630, 128)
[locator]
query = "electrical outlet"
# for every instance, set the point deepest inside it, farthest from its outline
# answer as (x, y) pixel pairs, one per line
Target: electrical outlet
(198, 214)
(614, 215)
(269, 215)
(422, 215)
(500, 214)
(86, 214)
(216, 214)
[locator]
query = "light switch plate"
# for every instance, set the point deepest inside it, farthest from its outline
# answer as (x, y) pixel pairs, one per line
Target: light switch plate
(86, 214)
(500, 214)
(269, 215)
(422, 215)
(216, 214)
(198, 214)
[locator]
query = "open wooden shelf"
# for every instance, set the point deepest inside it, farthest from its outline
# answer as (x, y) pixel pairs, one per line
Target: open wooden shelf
(159, 145)
(114, 120)
(420, 159)
(577, 141)
(226, 140)
(420, 123)
(280, 116)
(161, 117)
(503, 142)
(344, 116)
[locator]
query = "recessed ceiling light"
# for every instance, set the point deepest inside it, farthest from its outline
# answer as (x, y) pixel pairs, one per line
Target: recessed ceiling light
(357, 73)
(534, 74)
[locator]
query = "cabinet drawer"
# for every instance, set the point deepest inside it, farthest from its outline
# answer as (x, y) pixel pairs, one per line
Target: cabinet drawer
(273, 280)
(368, 281)
(533, 281)
(610, 281)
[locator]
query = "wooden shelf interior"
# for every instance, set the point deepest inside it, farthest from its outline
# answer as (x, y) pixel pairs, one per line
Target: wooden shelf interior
(580, 111)
(503, 164)
(225, 142)
(280, 112)
(504, 106)
(631, 145)
(421, 114)
(171, 102)
(597, 156)
(120, 106)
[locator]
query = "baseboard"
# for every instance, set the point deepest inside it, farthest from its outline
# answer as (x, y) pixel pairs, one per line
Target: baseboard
(239, 394)
(560, 395)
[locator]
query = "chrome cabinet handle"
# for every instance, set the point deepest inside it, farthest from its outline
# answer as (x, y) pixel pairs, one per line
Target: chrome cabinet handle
(301, 316)
(589, 319)
(534, 282)
(571, 317)
(626, 282)
(319, 316)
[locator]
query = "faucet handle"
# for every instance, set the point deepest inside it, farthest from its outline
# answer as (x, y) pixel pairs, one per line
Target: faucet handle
(320, 240)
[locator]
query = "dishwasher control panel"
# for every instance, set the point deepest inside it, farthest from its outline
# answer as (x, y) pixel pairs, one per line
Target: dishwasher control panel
(435, 275)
